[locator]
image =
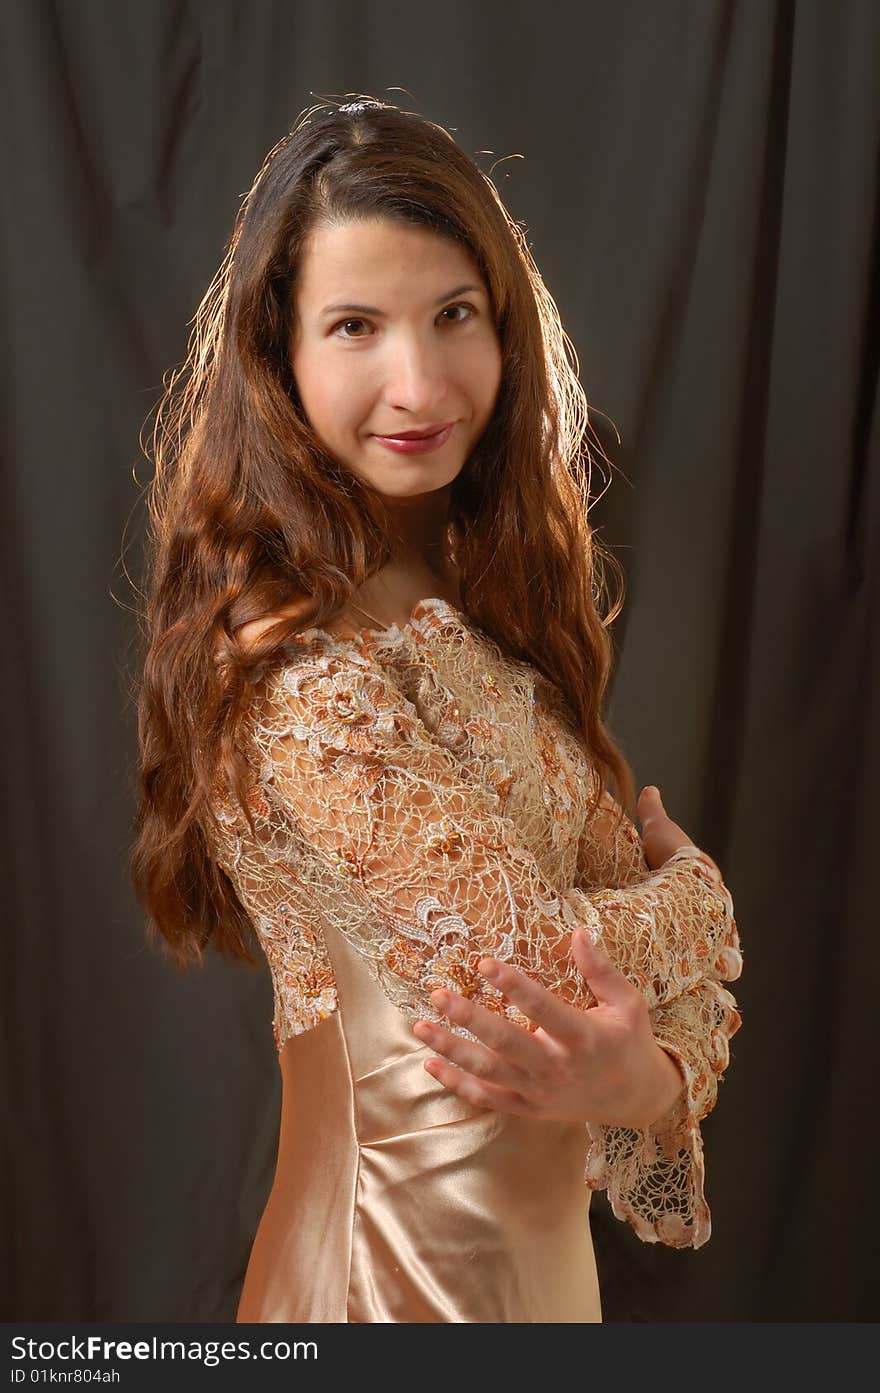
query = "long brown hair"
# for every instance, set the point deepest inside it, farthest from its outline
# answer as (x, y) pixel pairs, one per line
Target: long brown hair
(248, 510)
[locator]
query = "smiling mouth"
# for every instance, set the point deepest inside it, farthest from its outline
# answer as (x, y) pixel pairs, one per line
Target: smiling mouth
(418, 444)
(417, 434)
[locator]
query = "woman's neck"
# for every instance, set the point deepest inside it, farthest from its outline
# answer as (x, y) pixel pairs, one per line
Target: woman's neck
(420, 526)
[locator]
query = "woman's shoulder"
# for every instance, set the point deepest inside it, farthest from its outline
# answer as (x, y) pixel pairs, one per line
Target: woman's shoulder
(301, 609)
(314, 662)
(249, 634)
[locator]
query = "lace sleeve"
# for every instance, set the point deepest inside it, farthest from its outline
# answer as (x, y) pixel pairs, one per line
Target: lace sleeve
(655, 1178)
(428, 876)
(610, 853)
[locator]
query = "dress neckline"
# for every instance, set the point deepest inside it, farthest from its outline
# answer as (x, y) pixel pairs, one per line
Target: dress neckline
(436, 604)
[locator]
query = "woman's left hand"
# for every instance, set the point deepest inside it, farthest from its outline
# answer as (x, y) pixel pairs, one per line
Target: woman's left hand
(599, 1065)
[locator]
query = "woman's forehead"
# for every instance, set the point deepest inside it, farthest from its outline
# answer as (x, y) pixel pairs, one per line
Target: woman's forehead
(342, 262)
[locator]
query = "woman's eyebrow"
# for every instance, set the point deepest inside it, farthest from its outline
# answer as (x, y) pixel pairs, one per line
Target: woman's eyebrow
(371, 309)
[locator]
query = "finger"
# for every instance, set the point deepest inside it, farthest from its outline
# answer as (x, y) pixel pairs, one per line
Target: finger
(478, 1091)
(556, 1018)
(650, 803)
(608, 984)
(474, 1058)
(504, 1037)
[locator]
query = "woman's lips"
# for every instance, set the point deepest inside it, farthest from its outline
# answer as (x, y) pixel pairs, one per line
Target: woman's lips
(416, 447)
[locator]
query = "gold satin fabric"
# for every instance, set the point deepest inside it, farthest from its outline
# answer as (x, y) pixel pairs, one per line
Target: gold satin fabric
(395, 1200)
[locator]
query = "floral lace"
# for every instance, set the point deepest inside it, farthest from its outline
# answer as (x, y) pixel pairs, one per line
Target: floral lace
(422, 792)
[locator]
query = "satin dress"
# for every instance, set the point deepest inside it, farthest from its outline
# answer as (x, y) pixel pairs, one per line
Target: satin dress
(467, 1215)
(419, 800)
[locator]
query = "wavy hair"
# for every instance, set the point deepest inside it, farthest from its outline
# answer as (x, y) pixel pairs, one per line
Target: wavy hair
(249, 512)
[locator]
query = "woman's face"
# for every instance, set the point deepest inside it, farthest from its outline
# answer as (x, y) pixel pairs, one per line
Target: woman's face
(393, 332)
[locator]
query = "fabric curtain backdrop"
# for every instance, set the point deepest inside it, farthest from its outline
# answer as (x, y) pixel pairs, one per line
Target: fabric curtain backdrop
(699, 183)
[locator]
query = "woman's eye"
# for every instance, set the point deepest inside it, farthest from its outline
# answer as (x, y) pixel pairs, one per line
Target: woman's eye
(346, 323)
(462, 306)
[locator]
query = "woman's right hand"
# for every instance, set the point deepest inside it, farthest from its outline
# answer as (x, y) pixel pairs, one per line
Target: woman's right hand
(660, 835)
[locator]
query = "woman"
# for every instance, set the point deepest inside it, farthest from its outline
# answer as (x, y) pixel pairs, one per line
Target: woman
(371, 732)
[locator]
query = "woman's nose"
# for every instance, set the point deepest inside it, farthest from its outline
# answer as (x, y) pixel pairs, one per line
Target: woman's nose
(416, 378)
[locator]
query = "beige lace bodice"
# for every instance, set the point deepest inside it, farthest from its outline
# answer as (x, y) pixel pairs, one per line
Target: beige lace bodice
(422, 792)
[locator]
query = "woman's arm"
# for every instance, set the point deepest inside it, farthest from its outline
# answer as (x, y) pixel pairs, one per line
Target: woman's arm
(642, 1168)
(601, 1063)
(429, 876)
(598, 1065)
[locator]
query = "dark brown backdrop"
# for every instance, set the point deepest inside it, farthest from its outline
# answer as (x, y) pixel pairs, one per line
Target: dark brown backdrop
(700, 184)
